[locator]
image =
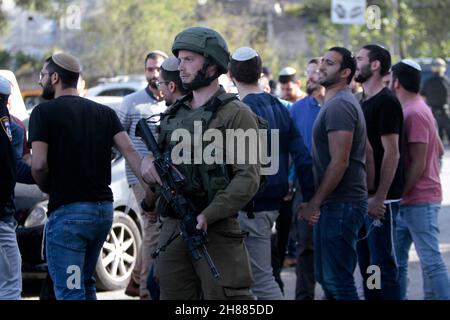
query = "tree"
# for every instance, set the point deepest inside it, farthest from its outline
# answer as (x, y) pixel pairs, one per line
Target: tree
(410, 28)
(116, 40)
(242, 24)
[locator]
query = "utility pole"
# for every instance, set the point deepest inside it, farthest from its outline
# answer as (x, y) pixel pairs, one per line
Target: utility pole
(346, 35)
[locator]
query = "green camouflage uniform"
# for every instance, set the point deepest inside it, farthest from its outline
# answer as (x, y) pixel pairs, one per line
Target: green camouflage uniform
(181, 277)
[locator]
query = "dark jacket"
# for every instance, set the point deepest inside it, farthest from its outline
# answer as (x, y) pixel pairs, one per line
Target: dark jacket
(7, 167)
(291, 143)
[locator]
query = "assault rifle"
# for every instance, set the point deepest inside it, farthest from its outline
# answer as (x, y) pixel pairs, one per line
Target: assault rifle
(171, 190)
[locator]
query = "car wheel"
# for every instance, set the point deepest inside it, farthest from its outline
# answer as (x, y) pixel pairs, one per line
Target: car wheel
(119, 253)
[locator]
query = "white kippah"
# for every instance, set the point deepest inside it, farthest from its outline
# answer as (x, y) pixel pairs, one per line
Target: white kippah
(244, 54)
(288, 71)
(412, 64)
(67, 62)
(170, 64)
(5, 86)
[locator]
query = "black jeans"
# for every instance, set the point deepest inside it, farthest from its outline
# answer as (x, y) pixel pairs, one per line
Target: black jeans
(280, 240)
(376, 248)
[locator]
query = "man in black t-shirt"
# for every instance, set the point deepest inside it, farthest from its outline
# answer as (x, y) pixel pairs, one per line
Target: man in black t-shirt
(71, 139)
(384, 120)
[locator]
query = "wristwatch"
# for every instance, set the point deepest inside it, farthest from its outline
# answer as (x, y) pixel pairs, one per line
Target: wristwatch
(146, 207)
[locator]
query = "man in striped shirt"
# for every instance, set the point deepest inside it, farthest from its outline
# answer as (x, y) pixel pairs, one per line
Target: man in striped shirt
(135, 106)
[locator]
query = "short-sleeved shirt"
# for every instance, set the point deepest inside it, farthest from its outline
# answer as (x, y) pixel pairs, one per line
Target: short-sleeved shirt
(342, 112)
(79, 134)
(134, 107)
(420, 128)
(384, 115)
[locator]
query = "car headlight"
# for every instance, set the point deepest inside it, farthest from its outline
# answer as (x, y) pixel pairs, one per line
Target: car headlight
(37, 216)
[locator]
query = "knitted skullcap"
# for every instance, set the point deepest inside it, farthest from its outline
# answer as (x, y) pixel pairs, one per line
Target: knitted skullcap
(67, 62)
(244, 54)
(170, 64)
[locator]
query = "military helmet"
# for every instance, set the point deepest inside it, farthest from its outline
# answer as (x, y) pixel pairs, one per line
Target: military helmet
(204, 41)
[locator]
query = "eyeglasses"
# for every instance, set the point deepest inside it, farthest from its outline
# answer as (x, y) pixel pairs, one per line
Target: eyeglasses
(42, 75)
(158, 83)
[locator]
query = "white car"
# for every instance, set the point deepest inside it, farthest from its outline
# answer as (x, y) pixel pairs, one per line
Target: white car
(118, 86)
(111, 93)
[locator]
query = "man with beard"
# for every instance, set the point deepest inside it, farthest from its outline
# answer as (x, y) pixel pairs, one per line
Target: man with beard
(134, 107)
(384, 121)
(216, 191)
(304, 113)
(169, 82)
(339, 156)
(290, 85)
(417, 221)
(171, 88)
(71, 138)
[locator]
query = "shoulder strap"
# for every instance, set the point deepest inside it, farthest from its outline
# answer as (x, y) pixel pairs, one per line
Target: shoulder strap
(220, 100)
(217, 102)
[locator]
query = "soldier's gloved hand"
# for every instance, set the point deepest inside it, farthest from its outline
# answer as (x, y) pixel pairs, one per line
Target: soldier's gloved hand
(148, 171)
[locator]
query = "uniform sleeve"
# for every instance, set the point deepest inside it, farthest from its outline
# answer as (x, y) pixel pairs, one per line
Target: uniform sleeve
(38, 126)
(17, 139)
(7, 178)
(245, 182)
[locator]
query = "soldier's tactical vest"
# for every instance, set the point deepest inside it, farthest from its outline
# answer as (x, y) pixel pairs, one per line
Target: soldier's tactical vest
(203, 180)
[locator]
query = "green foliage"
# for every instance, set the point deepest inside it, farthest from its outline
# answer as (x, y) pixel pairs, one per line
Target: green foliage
(411, 28)
(20, 63)
(115, 39)
(37, 5)
(5, 59)
(240, 27)
(118, 39)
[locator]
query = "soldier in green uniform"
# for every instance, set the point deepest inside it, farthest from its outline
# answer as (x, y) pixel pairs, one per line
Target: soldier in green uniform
(217, 190)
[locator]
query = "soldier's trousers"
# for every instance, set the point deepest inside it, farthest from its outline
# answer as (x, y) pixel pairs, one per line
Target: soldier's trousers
(180, 277)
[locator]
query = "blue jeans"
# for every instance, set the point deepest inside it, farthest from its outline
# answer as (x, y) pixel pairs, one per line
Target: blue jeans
(335, 237)
(75, 234)
(377, 248)
(10, 263)
(419, 224)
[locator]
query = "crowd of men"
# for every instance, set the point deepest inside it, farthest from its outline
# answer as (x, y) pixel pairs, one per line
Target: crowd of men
(357, 178)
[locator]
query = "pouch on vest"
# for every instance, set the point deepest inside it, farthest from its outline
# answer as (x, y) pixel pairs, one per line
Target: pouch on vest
(213, 177)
